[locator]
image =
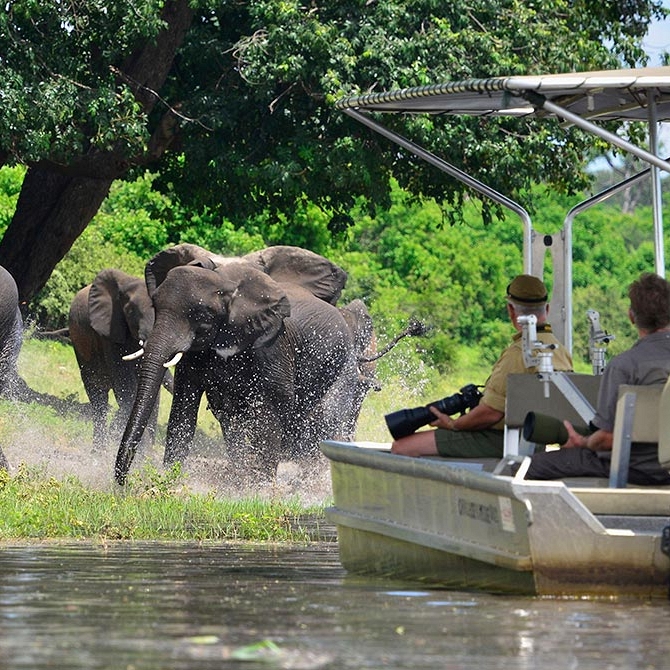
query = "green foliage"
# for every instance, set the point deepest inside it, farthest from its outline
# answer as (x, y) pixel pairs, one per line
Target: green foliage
(240, 129)
(90, 254)
(133, 224)
(10, 187)
(61, 95)
(261, 78)
(404, 263)
(450, 277)
(133, 217)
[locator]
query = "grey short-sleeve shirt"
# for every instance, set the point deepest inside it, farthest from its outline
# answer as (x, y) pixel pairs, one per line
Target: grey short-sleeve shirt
(646, 363)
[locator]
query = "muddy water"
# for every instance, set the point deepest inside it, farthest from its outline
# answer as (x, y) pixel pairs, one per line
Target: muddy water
(156, 605)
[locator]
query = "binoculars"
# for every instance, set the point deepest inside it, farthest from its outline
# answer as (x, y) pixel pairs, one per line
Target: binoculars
(407, 421)
(544, 429)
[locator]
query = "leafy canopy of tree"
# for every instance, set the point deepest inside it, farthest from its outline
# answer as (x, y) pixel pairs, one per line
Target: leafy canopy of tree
(232, 103)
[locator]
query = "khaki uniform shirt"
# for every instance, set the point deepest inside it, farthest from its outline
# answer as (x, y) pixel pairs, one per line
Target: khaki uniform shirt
(511, 362)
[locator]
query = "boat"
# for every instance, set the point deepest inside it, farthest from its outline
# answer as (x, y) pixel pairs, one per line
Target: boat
(478, 524)
(455, 526)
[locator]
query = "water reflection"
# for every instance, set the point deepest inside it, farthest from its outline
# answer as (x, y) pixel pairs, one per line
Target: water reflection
(144, 606)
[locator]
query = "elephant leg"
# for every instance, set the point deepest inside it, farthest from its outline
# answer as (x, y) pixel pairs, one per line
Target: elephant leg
(99, 402)
(181, 423)
(253, 435)
(97, 385)
(11, 338)
(328, 419)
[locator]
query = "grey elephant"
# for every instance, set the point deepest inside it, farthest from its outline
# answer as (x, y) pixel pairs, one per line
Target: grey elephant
(109, 319)
(359, 321)
(11, 337)
(261, 338)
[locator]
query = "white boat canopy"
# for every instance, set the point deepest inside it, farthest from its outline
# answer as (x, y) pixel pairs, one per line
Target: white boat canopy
(579, 98)
(603, 95)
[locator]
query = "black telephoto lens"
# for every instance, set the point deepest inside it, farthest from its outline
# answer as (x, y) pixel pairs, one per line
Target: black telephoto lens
(404, 422)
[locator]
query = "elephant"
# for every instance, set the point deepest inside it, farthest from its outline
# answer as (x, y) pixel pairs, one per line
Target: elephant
(107, 320)
(261, 337)
(360, 324)
(11, 337)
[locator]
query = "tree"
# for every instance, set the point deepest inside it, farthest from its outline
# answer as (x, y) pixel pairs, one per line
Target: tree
(79, 83)
(232, 102)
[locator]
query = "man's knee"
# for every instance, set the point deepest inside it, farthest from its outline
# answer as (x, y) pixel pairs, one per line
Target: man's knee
(417, 444)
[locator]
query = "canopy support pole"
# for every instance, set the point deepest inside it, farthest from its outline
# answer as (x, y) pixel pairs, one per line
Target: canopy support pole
(655, 161)
(656, 193)
(462, 177)
(584, 124)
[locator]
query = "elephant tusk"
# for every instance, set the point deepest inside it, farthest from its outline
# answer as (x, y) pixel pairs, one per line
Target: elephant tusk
(133, 356)
(174, 360)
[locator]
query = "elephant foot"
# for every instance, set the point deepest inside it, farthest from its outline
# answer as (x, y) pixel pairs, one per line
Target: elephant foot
(4, 463)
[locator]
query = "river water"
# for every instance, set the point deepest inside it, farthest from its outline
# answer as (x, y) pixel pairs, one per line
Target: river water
(137, 606)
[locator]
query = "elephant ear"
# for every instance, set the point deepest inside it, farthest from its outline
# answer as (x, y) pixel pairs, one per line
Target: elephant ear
(106, 305)
(182, 254)
(294, 265)
(256, 309)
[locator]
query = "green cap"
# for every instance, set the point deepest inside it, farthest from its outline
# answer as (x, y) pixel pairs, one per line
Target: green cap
(527, 290)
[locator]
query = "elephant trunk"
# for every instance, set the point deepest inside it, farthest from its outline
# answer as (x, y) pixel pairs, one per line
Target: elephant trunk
(152, 372)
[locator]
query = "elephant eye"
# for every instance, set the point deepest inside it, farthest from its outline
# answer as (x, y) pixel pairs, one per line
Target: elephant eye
(203, 319)
(203, 328)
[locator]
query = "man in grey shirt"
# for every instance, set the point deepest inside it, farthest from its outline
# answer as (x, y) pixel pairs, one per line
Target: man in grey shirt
(647, 362)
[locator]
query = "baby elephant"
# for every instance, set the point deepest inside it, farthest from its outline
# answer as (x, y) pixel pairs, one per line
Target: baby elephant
(109, 319)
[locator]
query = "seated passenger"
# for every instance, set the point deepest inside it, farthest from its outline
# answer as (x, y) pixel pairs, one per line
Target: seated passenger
(646, 362)
(479, 432)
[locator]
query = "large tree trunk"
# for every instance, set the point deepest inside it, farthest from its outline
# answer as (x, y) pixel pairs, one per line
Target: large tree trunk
(57, 202)
(52, 211)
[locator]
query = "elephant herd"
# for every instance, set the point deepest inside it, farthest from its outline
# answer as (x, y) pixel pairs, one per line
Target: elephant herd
(261, 336)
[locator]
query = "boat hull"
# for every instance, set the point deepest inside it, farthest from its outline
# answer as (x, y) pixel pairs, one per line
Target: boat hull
(452, 525)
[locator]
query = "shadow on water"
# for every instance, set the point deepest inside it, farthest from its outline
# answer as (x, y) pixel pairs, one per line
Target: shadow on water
(167, 605)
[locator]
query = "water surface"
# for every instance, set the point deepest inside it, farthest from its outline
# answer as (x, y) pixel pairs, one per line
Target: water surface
(176, 606)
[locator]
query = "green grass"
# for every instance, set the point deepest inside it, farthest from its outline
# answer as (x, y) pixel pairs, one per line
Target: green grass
(34, 505)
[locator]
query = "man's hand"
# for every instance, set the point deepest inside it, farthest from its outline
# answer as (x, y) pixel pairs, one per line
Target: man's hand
(442, 420)
(574, 438)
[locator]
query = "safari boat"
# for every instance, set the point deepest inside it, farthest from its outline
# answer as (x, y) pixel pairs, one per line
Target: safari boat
(456, 525)
(473, 524)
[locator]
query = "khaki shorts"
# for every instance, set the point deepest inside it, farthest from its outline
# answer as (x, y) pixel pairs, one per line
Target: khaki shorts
(469, 443)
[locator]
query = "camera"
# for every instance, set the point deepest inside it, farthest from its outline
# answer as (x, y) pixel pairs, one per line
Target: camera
(406, 421)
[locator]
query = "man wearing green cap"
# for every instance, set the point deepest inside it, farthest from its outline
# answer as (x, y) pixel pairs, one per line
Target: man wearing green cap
(479, 432)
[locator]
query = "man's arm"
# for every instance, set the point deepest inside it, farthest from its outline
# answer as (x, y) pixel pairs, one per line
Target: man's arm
(480, 417)
(601, 440)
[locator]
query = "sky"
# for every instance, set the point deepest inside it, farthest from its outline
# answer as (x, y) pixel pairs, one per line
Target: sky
(658, 38)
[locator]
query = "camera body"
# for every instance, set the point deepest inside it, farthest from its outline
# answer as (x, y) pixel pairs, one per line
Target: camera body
(407, 421)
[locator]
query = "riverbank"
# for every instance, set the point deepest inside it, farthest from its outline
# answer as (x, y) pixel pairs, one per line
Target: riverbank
(153, 506)
(60, 485)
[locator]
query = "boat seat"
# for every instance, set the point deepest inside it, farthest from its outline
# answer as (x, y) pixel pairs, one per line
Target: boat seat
(642, 415)
(526, 393)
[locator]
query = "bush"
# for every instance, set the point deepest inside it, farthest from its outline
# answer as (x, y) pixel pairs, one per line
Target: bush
(89, 254)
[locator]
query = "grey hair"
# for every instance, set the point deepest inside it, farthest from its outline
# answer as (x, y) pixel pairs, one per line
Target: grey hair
(540, 311)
